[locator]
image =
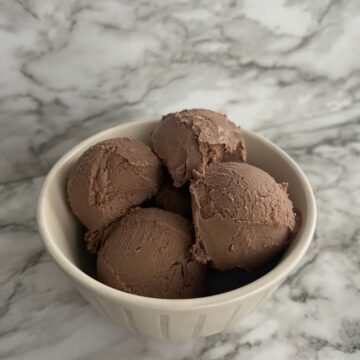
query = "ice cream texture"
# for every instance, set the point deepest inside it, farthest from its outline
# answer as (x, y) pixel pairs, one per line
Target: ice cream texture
(110, 178)
(147, 253)
(242, 217)
(190, 139)
(174, 199)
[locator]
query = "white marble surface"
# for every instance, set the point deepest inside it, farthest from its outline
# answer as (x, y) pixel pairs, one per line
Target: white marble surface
(288, 69)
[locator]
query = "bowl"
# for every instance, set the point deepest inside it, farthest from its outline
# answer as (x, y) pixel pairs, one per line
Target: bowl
(169, 319)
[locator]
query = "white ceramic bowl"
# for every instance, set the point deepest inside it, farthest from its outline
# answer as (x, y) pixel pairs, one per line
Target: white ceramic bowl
(161, 318)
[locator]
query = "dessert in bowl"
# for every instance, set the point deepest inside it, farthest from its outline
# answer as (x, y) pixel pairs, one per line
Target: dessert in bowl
(176, 314)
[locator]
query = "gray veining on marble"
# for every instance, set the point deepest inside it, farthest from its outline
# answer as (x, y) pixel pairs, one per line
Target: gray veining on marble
(287, 69)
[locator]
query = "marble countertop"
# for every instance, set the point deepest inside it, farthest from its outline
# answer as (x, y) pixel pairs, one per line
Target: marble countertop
(288, 69)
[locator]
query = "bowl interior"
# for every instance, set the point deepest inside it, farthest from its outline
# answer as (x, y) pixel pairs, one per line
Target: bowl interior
(64, 231)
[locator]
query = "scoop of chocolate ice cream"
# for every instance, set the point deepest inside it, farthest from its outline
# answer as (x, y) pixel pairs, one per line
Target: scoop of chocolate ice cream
(109, 178)
(242, 217)
(174, 199)
(190, 139)
(147, 253)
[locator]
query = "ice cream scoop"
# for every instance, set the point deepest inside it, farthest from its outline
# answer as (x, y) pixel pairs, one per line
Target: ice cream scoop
(242, 217)
(147, 253)
(109, 178)
(190, 139)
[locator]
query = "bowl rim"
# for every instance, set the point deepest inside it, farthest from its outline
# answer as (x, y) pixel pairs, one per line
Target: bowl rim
(275, 275)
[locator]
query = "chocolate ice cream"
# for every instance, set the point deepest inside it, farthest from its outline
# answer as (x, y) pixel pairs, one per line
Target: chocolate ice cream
(242, 217)
(109, 178)
(94, 239)
(174, 199)
(190, 139)
(147, 253)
